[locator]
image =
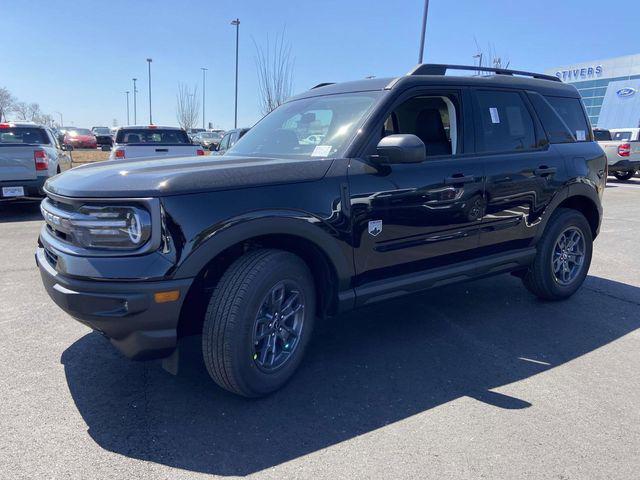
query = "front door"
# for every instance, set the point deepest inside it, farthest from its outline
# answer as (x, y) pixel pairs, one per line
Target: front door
(413, 217)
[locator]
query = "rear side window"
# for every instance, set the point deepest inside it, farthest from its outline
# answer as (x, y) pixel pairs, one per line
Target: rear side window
(571, 111)
(151, 136)
(503, 122)
(23, 136)
(622, 136)
(556, 129)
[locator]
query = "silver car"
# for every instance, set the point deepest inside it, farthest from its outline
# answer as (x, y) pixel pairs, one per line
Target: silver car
(29, 155)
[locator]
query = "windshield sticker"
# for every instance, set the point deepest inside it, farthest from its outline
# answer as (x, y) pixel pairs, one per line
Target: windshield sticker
(321, 151)
(495, 118)
(581, 135)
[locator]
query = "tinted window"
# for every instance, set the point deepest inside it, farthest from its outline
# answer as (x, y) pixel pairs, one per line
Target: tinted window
(622, 136)
(23, 136)
(224, 143)
(554, 126)
(503, 123)
(153, 136)
(102, 131)
(602, 135)
(570, 110)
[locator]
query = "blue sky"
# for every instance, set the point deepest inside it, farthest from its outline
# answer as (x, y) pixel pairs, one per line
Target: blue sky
(79, 57)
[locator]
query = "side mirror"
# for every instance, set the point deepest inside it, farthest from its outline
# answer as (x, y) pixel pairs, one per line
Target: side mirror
(66, 147)
(402, 148)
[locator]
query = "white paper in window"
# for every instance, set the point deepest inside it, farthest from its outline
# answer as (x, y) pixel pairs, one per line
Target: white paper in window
(495, 117)
(321, 151)
(581, 135)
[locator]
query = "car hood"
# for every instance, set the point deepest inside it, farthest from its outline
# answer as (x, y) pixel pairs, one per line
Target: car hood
(180, 175)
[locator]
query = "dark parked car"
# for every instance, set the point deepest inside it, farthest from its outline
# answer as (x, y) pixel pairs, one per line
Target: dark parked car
(417, 181)
(103, 135)
(230, 138)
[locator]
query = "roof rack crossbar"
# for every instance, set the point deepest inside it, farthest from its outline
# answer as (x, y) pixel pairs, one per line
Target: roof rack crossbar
(441, 69)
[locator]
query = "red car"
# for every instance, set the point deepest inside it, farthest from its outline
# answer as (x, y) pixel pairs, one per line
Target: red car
(80, 138)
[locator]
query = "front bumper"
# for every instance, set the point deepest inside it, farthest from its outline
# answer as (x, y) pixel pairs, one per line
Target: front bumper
(32, 188)
(125, 311)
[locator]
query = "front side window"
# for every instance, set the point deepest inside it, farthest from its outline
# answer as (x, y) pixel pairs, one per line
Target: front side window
(503, 123)
(432, 118)
(320, 127)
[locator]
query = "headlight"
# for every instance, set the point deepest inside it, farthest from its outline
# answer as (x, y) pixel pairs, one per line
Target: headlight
(110, 227)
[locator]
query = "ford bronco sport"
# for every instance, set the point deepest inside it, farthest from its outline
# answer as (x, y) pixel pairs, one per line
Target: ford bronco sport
(401, 184)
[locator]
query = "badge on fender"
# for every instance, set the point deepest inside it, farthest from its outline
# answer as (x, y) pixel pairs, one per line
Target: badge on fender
(375, 227)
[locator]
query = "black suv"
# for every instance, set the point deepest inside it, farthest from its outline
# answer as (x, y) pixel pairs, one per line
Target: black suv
(346, 195)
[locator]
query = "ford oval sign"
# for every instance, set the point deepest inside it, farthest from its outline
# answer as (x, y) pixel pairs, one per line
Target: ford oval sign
(626, 92)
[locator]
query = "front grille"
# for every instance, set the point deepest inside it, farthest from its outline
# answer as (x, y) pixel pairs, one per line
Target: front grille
(51, 257)
(55, 214)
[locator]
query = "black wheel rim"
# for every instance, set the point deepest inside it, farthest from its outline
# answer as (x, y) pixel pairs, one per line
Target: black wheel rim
(278, 326)
(568, 256)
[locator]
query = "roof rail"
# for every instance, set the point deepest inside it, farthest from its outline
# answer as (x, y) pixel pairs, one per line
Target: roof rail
(441, 69)
(323, 85)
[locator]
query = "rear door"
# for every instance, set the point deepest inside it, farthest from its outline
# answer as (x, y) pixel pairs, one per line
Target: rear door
(523, 172)
(17, 147)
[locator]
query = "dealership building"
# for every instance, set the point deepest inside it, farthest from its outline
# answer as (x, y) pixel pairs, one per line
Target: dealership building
(610, 89)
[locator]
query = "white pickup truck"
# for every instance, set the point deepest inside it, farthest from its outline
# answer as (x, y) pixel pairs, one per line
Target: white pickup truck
(622, 147)
(153, 141)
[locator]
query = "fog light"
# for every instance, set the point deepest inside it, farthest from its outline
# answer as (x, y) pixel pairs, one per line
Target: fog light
(165, 297)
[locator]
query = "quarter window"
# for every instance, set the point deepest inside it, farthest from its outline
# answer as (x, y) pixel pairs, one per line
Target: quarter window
(570, 110)
(503, 123)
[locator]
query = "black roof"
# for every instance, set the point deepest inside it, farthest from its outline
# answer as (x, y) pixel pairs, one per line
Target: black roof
(541, 85)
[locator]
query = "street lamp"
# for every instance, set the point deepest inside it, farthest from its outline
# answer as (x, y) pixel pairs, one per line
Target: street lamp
(127, 92)
(424, 28)
(236, 23)
(149, 60)
(135, 109)
(204, 70)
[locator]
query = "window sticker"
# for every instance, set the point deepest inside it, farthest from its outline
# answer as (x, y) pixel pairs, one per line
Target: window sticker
(581, 135)
(321, 151)
(495, 118)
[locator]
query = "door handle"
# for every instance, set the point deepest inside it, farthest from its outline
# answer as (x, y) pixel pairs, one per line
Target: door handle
(162, 149)
(459, 178)
(544, 170)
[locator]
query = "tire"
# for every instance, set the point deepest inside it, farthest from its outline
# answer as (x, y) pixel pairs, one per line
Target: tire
(231, 323)
(623, 175)
(540, 279)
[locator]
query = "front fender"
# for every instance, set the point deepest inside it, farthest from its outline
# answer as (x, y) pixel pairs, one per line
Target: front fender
(274, 222)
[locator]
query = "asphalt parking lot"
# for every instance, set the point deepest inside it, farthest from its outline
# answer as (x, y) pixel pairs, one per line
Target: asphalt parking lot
(478, 380)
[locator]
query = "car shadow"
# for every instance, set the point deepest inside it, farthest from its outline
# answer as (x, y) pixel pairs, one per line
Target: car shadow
(363, 371)
(20, 211)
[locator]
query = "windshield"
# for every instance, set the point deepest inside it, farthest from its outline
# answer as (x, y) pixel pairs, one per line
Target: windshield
(102, 130)
(310, 127)
(602, 135)
(80, 131)
(23, 136)
(153, 136)
(621, 135)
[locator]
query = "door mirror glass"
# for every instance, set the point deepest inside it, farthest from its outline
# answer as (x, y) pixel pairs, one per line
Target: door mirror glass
(401, 148)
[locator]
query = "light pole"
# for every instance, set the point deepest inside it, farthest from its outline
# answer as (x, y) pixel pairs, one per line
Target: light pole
(149, 60)
(204, 70)
(61, 120)
(424, 28)
(236, 23)
(127, 92)
(135, 109)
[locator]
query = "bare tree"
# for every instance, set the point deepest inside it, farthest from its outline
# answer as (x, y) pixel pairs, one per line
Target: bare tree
(21, 109)
(490, 58)
(188, 106)
(275, 73)
(7, 102)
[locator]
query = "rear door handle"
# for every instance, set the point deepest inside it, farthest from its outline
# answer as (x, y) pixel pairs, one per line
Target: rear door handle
(540, 171)
(162, 149)
(459, 178)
